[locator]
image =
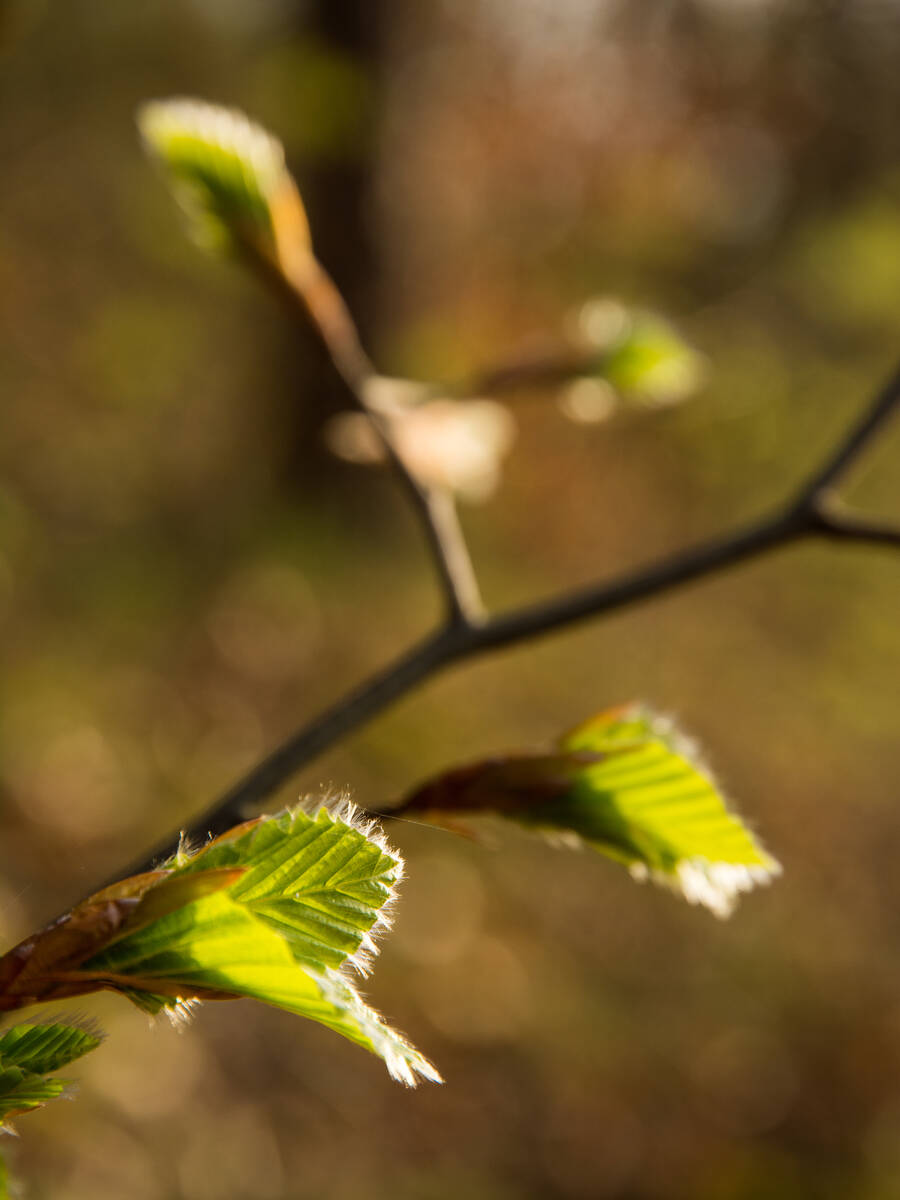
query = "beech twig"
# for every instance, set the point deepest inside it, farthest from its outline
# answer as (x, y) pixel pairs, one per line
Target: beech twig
(810, 513)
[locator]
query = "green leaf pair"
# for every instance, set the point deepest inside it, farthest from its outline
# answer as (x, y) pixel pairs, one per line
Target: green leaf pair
(276, 910)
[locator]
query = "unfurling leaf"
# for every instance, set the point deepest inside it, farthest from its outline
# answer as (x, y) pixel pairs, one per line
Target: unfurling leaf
(276, 910)
(627, 784)
(27, 1053)
(230, 177)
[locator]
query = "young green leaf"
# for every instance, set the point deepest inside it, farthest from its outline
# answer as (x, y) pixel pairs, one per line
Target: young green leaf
(47, 1045)
(27, 1053)
(627, 784)
(22, 1091)
(229, 176)
(319, 883)
(276, 910)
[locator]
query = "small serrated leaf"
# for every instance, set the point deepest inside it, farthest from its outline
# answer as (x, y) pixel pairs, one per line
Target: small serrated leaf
(627, 784)
(320, 883)
(27, 1053)
(46, 1046)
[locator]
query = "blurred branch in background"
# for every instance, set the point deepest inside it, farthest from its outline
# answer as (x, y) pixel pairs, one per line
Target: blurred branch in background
(273, 235)
(301, 279)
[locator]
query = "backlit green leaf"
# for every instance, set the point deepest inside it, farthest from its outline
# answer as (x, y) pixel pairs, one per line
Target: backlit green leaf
(320, 884)
(627, 784)
(278, 910)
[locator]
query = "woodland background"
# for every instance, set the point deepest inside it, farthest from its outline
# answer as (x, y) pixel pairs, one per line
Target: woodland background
(186, 574)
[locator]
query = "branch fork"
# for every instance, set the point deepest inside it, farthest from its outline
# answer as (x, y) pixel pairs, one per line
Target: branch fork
(467, 630)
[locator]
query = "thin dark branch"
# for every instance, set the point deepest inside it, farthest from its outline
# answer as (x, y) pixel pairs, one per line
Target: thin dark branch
(808, 515)
(420, 662)
(465, 632)
(668, 573)
(453, 644)
(848, 450)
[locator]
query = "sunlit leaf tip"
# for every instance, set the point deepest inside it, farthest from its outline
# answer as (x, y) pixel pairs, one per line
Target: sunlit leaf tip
(228, 174)
(675, 823)
(628, 784)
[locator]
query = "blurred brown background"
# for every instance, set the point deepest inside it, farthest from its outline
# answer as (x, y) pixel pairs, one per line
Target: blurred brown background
(186, 575)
